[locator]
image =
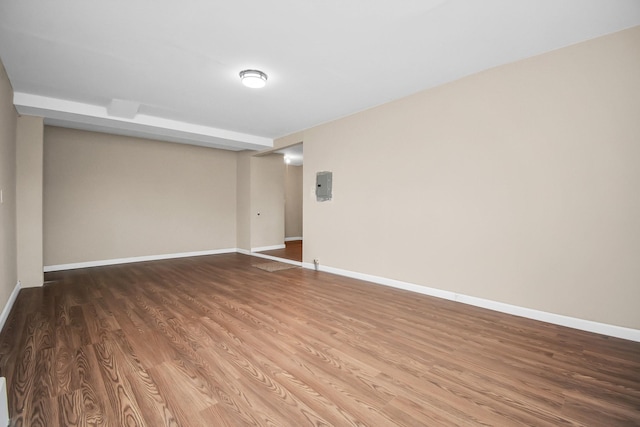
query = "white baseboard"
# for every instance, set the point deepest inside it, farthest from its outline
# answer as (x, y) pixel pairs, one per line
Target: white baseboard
(268, 248)
(292, 239)
(557, 319)
(49, 268)
(9, 305)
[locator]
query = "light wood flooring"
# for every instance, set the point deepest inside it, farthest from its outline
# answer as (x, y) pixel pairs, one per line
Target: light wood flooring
(212, 341)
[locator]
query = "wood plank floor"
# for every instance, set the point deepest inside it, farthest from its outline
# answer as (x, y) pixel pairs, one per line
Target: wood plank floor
(212, 341)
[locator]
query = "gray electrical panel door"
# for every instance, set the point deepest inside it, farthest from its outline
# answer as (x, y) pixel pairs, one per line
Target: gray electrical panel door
(323, 186)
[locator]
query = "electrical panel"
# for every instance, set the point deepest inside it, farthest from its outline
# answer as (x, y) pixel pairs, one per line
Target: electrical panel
(323, 186)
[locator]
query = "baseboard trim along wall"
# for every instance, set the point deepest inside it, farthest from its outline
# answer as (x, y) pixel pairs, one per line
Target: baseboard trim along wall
(9, 305)
(556, 319)
(268, 248)
(72, 266)
(292, 239)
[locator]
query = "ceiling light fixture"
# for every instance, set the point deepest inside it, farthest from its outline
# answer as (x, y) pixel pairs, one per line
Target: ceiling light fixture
(254, 79)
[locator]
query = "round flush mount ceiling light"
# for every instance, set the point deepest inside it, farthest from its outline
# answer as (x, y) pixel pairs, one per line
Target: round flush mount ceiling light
(254, 79)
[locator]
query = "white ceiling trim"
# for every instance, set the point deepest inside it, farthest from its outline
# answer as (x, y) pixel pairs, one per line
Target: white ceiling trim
(62, 112)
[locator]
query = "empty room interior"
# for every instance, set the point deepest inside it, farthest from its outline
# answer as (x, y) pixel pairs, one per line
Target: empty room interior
(324, 213)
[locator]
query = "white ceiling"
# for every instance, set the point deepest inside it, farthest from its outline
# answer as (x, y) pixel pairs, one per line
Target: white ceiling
(169, 70)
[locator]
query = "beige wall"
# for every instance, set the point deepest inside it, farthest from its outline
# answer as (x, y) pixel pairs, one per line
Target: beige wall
(288, 140)
(243, 185)
(109, 197)
(8, 118)
(267, 199)
(520, 184)
(29, 141)
(260, 183)
(293, 201)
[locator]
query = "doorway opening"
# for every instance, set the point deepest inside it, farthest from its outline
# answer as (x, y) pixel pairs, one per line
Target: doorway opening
(293, 178)
(292, 251)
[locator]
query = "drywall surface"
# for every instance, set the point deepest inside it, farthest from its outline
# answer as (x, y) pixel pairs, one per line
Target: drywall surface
(519, 185)
(293, 201)
(8, 118)
(110, 197)
(243, 198)
(29, 155)
(267, 201)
